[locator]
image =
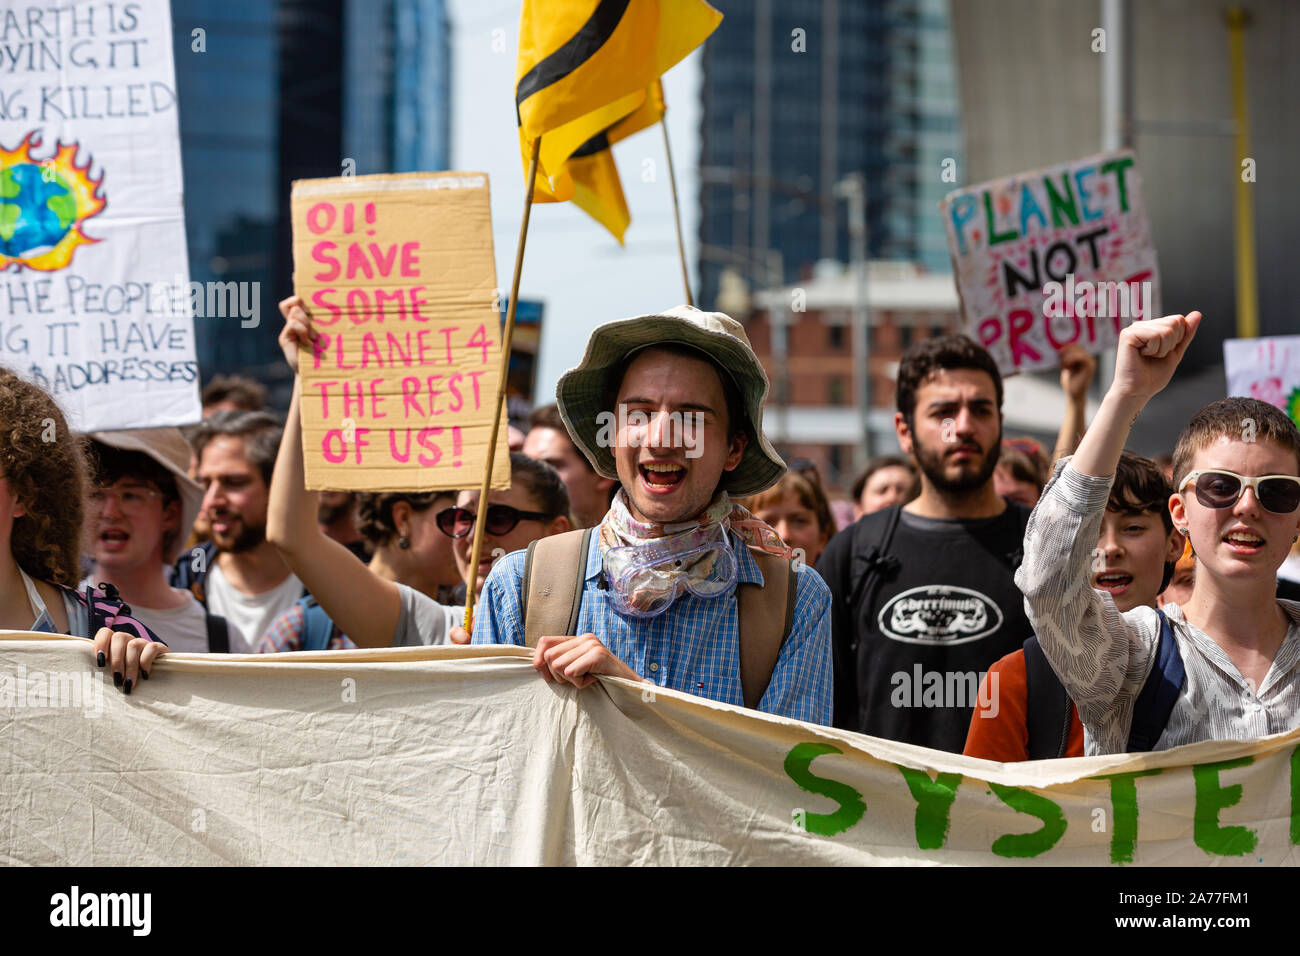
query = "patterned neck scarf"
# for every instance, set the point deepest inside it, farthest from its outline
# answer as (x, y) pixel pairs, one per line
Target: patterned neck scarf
(649, 564)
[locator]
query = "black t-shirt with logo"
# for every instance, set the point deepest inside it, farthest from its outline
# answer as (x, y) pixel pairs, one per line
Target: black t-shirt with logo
(908, 666)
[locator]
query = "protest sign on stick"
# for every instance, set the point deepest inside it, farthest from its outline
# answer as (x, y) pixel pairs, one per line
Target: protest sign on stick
(95, 296)
(1267, 369)
(399, 392)
(1053, 257)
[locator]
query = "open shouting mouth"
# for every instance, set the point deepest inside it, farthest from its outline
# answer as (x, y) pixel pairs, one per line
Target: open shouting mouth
(661, 478)
(114, 540)
(1113, 583)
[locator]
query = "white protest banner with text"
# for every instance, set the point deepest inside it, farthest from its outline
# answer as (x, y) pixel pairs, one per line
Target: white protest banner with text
(1053, 257)
(464, 755)
(94, 283)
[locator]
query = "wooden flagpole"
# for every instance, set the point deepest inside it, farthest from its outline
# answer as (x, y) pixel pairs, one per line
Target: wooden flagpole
(506, 338)
(677, 216)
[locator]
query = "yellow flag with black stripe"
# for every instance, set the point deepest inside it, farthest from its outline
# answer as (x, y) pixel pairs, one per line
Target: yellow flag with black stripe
(587, 71)
(597, 189)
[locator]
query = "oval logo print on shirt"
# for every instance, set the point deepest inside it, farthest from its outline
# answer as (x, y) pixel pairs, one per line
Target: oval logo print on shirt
(936, 614)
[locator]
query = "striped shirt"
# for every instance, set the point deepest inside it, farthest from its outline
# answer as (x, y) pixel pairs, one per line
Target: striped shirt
(289, 629)
(1103, 656)
(693, 646)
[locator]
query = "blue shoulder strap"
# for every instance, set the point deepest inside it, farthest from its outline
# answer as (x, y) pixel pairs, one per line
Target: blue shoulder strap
(1159, 694)
(317, 626)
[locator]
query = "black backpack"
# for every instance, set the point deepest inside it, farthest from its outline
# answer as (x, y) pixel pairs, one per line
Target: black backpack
(1048, 708)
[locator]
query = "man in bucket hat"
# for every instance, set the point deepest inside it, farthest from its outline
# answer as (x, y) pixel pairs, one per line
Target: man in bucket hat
(678, 586)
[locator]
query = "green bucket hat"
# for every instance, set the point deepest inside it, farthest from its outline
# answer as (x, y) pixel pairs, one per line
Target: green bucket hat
(581, 392)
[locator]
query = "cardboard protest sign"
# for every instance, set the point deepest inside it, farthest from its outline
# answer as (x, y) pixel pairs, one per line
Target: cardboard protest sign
(1052, 257)
(464, 755)
(398, 274)
(1267, 369)
(94, 282)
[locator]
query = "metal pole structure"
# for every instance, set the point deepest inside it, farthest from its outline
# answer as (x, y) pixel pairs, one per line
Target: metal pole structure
(677, 214)
(1116, 112)
(762, 155)
(506, 336)
(853, 189)
(1247, 286)
(780, 345)
(830, 153)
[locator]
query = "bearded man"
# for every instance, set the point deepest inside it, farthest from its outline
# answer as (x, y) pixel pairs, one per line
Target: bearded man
(923, 599)
(238, 574)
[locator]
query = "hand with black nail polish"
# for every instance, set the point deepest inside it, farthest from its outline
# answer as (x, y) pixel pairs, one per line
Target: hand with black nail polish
(129, 656)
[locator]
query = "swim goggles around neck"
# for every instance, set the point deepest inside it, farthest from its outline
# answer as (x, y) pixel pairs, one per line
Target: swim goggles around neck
(645, 579)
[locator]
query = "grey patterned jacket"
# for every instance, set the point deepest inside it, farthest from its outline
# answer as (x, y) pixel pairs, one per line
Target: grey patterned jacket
(1103, 656)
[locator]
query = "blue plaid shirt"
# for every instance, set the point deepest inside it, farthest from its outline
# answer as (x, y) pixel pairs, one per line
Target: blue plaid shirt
(693, 646)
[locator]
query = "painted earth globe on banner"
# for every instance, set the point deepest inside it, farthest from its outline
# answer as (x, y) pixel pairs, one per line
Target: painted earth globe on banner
(36, 210)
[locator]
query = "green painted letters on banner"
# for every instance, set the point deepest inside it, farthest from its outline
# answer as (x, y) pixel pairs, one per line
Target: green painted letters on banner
(1211, 797)
(933, 800)
(1124, 812)
(1041, 840)
(798, 765)
(1295, 797)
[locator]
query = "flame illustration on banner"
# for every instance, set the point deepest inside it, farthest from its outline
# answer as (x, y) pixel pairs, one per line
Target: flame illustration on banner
(43, 205)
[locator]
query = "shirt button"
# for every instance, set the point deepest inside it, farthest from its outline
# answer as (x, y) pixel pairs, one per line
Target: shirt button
(653, 668)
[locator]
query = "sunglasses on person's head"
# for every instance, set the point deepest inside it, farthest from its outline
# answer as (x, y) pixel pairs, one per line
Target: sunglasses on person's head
(501, 519)
(1279, 494)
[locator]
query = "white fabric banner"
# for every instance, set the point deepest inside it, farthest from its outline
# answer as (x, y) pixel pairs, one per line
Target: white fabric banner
(95, 294)
(457, 755)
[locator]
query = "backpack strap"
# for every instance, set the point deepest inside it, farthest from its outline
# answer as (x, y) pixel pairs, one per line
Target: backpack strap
(1022, 520)
(758, 608)
(555, 571)
(218, 633)
(1047, 708)
(317, 626)
(868, 563)
(1160, 692)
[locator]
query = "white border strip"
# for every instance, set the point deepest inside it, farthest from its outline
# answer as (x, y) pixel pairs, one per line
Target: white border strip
(389, 185)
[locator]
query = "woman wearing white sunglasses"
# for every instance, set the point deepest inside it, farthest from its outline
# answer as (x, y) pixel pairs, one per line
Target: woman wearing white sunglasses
(1227, 664)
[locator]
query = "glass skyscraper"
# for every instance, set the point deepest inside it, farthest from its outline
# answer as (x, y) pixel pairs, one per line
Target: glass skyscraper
(276, 90)
(798, 94)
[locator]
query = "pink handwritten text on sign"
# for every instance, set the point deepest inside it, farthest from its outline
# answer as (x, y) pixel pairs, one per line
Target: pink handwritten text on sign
(401, 384)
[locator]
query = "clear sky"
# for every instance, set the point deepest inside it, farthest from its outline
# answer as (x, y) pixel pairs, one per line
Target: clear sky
(571, 263)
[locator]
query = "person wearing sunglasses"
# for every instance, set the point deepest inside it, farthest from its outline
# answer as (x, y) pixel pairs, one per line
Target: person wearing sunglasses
(536, 506)
(1230, 657)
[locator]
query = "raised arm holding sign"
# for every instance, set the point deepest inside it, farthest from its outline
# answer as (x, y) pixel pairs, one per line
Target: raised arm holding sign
(363, 605)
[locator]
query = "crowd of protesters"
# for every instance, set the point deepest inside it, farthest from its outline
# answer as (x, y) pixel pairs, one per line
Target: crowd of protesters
(981, 596)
